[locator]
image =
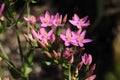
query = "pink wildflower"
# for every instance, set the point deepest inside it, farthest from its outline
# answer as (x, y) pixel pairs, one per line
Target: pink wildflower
(79, 22)
(33, 33)
(56, 54)
(48, 54)
(57, 20)
(2, 8)
(81, 40)
(44, 36)
(31, 20)
(68, 38)
(68, 55)
(87, 59)
(46, 20)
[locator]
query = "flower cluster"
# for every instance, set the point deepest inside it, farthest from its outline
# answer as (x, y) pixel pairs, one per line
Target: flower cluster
(60, 43)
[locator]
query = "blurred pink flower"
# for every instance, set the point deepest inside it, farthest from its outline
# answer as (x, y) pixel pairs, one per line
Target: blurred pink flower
(68, 38)
(56, 54)
(31, 20)
(33, 33)
(57, 20)
(44, 36)
(46, 20)
(2, 8)
(79, 22)
(68, 55)
(80, 38)
(87, 59)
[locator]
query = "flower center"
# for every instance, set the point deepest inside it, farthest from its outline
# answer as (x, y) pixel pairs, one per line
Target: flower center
(80, 39)
(69, 37)
(47, 20)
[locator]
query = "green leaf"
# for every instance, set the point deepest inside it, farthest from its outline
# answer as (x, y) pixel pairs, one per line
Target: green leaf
(15, 72)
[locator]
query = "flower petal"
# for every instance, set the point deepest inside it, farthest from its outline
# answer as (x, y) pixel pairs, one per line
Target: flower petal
(63, 37)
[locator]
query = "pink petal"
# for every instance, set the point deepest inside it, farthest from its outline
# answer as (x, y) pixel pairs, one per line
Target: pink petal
(52, 38)
(42, 31)
(83, 34)
(55, 54)
(72, 59)
(91, 77)
(80, 65)
(33, 33)
(84, 57)
(68, 31)
(84, 19)
(86, 40)
(26, 19)
(44, 25)
(50, 33)
(76, 17)
(73, 22)
(2, 8)
(47, 14)
(81, 44)
(92, 69)
(67, 43)
(63, 37)
(41, 19)
(89, 60)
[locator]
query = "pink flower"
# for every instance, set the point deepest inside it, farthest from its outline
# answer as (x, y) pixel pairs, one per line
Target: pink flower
(2, 8)
(46, 20)
(44, 36)
(57, 20)
(79, 22)
(31, 20)
(92, 77)
(87, 59)
(33, 33)
(56, 54)
(68, 55)
(48, 54)
(81, 40)
(68, 38)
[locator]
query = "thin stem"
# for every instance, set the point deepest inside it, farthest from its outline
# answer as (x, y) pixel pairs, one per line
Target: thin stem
(27, 78)
(28, 15)
(5, 57)
(19, 43)
(69, 71)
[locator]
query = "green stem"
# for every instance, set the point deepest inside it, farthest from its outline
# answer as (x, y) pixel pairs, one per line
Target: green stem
(27, 78)
(28, 15)
(69, 71)
(19, 43)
